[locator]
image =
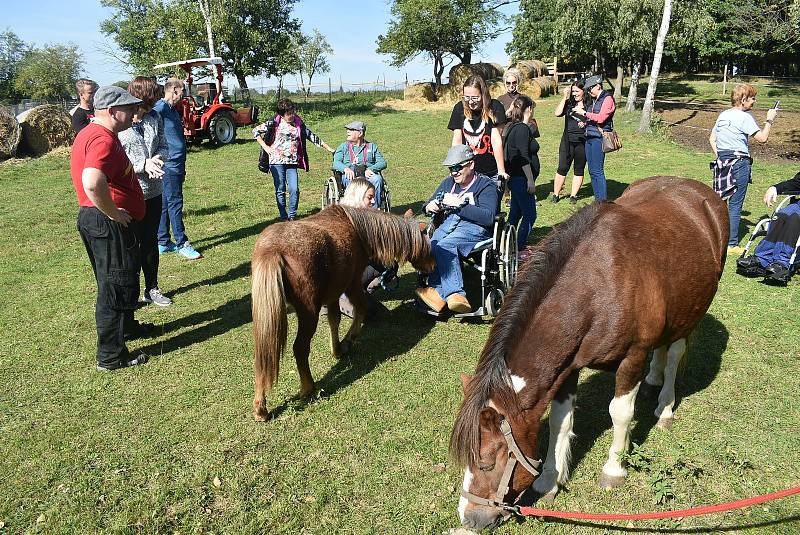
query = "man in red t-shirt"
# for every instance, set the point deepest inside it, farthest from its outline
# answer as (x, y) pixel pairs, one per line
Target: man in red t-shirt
(111, 203)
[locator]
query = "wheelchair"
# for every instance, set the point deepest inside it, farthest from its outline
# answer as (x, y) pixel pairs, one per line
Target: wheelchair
(494, 259)
(334, 190)
(749, 266)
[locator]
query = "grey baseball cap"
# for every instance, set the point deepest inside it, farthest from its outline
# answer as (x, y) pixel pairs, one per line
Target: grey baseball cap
(458, 154)
(592, 81)
(111, 95)
(356, 125)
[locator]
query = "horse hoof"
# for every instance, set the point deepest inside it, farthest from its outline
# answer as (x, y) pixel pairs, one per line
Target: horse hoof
(261, 415)
(607, 482)
(665, 423)
(550, 497)
(344, 348)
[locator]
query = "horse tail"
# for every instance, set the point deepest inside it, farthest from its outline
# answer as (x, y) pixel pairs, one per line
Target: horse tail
(269, 320)
(720, 230)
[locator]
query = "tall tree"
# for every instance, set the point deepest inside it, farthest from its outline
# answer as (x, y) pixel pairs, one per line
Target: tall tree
(12, 51)
(440, 30)
(647, 108)
(311, 52)
(49, 72)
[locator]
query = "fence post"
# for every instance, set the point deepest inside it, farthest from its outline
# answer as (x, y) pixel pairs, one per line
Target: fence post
(330, 96)
(725, 79)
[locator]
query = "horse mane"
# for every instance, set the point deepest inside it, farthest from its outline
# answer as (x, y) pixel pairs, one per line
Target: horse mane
(492, 379)
(387, 238)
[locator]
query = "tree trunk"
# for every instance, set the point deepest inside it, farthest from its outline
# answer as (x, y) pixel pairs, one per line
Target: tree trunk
(205, 9)
(647, 108)
(438, 70)
(634, 88)
(618, 82)
(242, 80)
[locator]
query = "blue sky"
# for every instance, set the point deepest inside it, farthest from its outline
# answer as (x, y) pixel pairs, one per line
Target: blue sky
(352, 33)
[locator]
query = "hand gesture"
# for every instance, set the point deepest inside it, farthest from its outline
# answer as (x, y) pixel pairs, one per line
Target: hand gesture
(349, 173)
(770, 196)
(566, 92)
(451, 199)
(369, 173)
(121, 216)
(153, 166)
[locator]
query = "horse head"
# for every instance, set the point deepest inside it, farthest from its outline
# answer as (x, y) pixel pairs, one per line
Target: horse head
(496, 471)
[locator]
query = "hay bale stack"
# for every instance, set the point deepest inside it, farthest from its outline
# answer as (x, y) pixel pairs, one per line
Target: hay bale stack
(532, 68)
(10, 133)
(45, 128)
(420, 93)
(488, 71)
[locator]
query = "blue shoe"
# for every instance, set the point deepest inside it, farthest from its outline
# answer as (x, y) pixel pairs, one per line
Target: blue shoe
(168, 248)
(189, 252)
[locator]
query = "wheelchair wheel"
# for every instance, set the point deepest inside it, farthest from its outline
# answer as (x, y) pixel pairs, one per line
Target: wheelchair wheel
(493, 302)
(508, 257)
(331, 193)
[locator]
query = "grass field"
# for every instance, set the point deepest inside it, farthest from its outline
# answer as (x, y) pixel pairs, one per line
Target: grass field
(171, 446)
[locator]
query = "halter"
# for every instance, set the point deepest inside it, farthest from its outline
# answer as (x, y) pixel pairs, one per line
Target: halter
(515, 456)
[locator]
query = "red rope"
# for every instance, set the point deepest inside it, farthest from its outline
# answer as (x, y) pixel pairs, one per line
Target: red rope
(695, 511)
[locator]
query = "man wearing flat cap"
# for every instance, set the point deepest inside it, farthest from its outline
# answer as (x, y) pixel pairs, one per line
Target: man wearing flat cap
(468, 202)
(359, 157)
(111, 203)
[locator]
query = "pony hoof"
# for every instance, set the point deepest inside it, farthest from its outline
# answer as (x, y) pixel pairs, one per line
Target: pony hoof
(665, 423)
(607, 482)
(550, 497)
(344, 348)
(261, 415)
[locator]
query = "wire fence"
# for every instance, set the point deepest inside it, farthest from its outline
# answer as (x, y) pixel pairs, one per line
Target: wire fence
(328, 86)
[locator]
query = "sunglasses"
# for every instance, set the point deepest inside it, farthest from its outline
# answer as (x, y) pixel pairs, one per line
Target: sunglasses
(457, 167)
(512, 82)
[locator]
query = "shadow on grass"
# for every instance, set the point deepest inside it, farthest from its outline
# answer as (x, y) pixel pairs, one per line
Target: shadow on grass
(703, 360)
(232, 236)
(390, 335)
(237, 272)
(209, 210)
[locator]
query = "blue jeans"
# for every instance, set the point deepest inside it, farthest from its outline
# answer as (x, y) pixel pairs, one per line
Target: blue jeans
(523, 205)
(741, 174)
(285, 177)
(376, 180)
(595, 159)
(172, 210)
(454, 238)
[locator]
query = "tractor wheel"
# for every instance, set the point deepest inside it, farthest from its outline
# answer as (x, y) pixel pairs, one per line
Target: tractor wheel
(221, 129)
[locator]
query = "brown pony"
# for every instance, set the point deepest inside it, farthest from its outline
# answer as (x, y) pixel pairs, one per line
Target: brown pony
(310, 263)
(613, 282)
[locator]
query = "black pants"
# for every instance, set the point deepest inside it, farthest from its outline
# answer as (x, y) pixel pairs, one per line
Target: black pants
(571, 153)
(114, 254)
(148, 243)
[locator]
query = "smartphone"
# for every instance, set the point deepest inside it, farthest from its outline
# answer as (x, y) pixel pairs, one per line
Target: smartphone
(777, 104)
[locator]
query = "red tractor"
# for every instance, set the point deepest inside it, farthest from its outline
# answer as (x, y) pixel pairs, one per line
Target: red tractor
(209, 116)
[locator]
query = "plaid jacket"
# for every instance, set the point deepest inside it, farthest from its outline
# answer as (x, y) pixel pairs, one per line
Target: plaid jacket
(724, 183)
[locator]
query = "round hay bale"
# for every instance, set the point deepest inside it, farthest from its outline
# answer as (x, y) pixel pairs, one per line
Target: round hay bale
(532, 68)
(548, 85)
(487, 71)
(45, 128)
(421, 92)
(496, 89)
(10, 133)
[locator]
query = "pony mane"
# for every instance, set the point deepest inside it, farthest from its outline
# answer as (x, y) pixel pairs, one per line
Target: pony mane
(387, 238)
(492, 379)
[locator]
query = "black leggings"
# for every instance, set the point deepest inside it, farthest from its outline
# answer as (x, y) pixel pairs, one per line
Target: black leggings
(148, 243)
(571, 152)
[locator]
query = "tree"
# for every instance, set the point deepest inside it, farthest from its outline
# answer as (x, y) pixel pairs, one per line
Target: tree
(49, 72)
(311, 51)
(647, 109)
(441, 30)
(249, 35)
(12, 50)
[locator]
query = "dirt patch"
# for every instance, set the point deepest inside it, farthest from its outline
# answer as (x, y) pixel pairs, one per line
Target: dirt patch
(690, 124)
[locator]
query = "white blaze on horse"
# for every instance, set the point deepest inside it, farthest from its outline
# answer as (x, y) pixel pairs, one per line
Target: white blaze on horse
(649, 265)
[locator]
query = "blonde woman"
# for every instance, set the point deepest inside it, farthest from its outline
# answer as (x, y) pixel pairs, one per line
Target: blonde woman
(477, 121)
(360, 193)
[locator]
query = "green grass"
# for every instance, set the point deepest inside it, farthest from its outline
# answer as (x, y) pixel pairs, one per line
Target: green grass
(172, 447)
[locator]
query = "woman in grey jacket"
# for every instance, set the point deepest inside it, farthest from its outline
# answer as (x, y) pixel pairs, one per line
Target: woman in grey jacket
(146, 147)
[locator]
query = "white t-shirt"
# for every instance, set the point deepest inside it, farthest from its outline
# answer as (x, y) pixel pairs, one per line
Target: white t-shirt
(733, 129)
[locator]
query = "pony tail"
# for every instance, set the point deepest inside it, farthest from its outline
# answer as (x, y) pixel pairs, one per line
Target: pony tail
(269, 325)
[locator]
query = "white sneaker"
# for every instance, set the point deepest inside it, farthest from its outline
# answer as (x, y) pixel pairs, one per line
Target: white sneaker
(157, 298)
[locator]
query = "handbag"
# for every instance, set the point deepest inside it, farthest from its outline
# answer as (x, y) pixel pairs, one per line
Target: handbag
(611, 141)
(263, 161)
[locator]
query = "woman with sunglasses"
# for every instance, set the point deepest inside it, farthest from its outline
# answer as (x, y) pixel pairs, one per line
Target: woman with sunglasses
(146, 147)
(729, 140)
(572, 151)
(477, 121)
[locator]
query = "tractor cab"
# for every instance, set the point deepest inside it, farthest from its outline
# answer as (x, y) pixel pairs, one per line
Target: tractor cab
(205, 112)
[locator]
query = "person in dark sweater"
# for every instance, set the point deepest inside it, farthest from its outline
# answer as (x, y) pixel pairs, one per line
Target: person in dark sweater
(82, 115)
(522, 164)
(787, 186)
(468, 202)
(572, 151)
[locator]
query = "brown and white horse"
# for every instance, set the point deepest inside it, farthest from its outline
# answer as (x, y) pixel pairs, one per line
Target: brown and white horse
(310, 263)
(611, 283)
